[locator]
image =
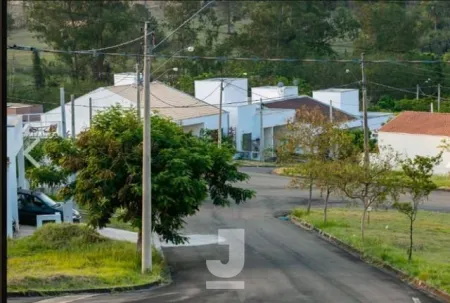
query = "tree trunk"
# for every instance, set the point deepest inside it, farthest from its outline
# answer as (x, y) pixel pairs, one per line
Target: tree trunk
(139, 242)
(368, 217)
(310, 197)
(410, 240)
(229, 16)
(325, 209)
(363, 224)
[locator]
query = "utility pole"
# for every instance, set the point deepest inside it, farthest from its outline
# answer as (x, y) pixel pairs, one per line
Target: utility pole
(138, 96)
(219, 131)
(90, 112)
(431, 107)
(417, 91)
(63, 112)
(365, 123)
(146, 164)
(261, 137)
(72, 105)
(439, 98)
(331, 111)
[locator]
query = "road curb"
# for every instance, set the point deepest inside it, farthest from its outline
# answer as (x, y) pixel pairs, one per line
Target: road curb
(34, 293)
(403, 276)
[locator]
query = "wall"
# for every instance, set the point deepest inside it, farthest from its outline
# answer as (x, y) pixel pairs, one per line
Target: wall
(412, 145)
(273, 92)
(209, 122)
(102, 99)
(346, 100)
(234, 90)
(125, 78)
(194, 128)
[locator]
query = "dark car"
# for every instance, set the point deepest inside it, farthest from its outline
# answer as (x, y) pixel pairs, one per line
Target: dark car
(34, 203)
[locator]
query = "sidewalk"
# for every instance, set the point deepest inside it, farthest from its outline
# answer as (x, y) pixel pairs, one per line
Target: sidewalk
(124, 235)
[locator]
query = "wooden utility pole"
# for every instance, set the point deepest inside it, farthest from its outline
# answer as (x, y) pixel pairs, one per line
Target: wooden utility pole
(261, 137)
(439, 98)
(365, 122)
(146, 168)
(219, 131)
(72, 105)
(90, 112)
(138, 89)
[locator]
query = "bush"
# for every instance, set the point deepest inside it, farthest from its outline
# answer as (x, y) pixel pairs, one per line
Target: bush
(64, 236)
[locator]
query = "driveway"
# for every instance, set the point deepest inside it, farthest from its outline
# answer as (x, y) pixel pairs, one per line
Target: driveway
(283, 263)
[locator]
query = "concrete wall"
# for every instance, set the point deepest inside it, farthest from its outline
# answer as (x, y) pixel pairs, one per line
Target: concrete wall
(273, 92)
(235, 90)
(194, 128)
(346, 100)
(209, 122)
(412, 145)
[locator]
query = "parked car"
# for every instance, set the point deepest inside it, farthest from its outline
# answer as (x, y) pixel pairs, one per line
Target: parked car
(34, 203)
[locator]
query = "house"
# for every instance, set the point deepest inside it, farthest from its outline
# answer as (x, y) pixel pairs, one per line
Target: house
(280, 104)
(15, 170)
(31, 112)
(187, 111)
(418, 133)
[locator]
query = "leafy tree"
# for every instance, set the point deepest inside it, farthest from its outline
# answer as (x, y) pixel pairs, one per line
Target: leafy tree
(315, 137)
(38, 73)
(386, 27)
(85, 25)
(108, 161)
(327, 181)
(9, 22)
(418, 185)
(371, 184)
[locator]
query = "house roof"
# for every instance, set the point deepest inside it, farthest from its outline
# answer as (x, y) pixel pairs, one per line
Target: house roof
(419, 123)
(308, 102)
(168, 101)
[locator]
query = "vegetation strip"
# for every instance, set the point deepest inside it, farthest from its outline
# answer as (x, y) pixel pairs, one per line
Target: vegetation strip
(34, 293)
(409, 278)
(72, 258)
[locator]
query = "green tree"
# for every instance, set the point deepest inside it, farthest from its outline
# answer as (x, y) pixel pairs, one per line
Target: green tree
(418, 185)
(38, 73)
(108, 161)
(371, 184)
(386, 27)
(9, 23)
(85, 25)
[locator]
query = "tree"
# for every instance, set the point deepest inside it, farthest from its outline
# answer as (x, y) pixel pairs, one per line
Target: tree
(108, 161)
(85, 25)
(308, 142)
(371, 184)
(9, 23)
(38, 73)
(418, 185)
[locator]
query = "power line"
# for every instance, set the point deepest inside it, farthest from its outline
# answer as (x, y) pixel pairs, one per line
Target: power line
(251, 59)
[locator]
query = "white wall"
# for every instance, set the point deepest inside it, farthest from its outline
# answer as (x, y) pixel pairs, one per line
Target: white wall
(273, 92)
(194, 128)
(209, 122)
(102, 99)
(412, 145)
(125, 78)
(234, 90)
(346, 100)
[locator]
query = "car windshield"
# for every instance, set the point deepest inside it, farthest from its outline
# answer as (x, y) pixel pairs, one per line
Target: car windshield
(46, 199)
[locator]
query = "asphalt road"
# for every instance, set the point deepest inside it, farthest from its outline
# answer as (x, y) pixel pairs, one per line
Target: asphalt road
(283, 263)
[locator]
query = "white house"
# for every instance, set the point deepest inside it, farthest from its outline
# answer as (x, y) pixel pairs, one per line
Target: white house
(418, 133)
(347, 100)
(187, 111)
(15, 170)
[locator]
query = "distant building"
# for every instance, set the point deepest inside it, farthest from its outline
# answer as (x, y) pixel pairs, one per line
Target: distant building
(31, 112)
(418, 134)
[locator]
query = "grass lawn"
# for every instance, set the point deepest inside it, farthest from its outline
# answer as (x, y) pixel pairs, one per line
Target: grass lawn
(255, 163)
(442, 181)
(387, 239)
(26, 38)
(69, 257)
(116, 223)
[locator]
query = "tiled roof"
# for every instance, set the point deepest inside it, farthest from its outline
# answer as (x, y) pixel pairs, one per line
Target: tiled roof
(168, 101)
(310, 103)
(420, 123)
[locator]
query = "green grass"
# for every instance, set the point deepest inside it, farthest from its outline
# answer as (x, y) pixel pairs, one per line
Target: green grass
(387, 239)
(255, 163)
(116, 223)
(442, 181)
(26, 38)
(70, 257)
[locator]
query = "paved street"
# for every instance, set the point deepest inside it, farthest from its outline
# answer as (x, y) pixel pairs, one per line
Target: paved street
(283, 263)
